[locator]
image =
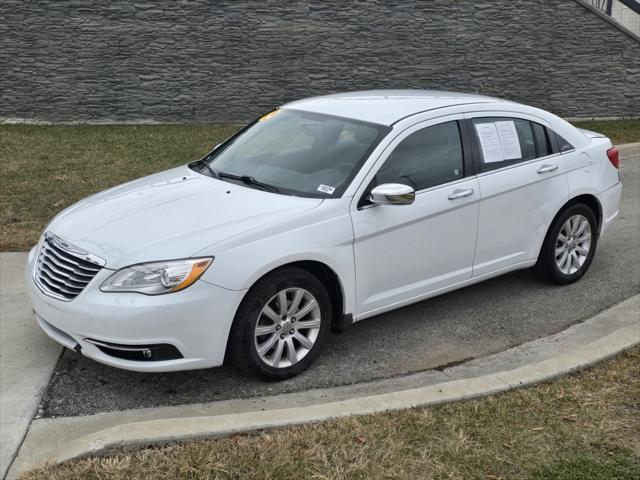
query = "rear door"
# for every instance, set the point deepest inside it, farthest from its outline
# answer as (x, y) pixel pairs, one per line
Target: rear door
(522, 186)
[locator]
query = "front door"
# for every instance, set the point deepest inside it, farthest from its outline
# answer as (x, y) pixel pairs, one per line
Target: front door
(404, 252)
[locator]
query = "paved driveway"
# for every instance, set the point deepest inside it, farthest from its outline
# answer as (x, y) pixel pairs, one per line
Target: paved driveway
(468, 323)
(27, 358)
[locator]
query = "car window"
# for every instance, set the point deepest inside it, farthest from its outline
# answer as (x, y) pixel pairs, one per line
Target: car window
(504, 141)
(300, 153)
(543, 144)
(426, 158)
(292, 134)
(563, 145)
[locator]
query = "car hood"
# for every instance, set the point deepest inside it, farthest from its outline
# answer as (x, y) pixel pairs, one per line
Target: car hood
(169, 215)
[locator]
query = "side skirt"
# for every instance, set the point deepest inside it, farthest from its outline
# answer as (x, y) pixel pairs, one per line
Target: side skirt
(440, 291)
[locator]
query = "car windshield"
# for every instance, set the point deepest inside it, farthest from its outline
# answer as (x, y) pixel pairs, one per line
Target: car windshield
(300, 153)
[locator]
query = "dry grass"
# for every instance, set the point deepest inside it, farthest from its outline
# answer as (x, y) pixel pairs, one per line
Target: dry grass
(583, 426)
(44, 169)
(619, 131)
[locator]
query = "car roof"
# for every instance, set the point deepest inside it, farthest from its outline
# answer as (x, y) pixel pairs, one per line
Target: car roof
(385, 107)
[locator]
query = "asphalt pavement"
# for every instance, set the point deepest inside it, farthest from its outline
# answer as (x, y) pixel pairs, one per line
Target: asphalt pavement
(469, 323)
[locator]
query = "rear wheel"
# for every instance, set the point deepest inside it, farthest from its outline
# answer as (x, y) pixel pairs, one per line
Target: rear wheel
(569, 246)
(281, 325)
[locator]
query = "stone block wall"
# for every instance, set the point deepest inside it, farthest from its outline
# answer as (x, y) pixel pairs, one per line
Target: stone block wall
(220, 61)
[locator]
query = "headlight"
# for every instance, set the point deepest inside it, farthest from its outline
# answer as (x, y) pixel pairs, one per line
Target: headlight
(157, 278)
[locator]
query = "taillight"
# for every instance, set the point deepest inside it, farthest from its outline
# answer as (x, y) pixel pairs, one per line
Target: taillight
(614, 157)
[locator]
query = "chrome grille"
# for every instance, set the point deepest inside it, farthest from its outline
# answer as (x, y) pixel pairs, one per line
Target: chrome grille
(62, 271)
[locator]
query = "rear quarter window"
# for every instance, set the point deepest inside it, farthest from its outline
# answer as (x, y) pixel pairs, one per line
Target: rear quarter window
(563, 144)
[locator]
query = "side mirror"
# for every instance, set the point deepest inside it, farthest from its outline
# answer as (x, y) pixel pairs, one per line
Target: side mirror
(393, 194)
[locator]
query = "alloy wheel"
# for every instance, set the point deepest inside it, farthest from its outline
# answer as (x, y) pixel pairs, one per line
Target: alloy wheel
(573, 244)
(287, 328)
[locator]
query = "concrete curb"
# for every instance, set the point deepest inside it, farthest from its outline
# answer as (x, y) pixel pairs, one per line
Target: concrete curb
(618, 329)
(157, 431)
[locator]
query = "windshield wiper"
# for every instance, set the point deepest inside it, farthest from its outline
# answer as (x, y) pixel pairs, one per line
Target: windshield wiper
(248, 180)
(213, 173)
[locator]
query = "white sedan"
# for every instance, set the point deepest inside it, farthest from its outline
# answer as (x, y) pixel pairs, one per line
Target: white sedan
(321, 213)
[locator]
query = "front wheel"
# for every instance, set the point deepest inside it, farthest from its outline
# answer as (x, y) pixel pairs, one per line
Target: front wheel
(281, 324)
(569, 246)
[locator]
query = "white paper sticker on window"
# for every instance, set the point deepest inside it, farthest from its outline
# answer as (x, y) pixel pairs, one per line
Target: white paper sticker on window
(490, 142)
(509, 140)
(326, 189)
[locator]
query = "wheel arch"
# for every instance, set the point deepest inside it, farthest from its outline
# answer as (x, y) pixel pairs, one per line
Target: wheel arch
(335, 287)
(588, 199)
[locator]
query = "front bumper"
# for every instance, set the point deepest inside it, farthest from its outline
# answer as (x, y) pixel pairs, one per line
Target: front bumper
(196, 321)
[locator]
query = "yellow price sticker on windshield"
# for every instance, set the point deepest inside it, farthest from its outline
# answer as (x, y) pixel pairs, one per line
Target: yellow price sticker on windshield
(269, 115)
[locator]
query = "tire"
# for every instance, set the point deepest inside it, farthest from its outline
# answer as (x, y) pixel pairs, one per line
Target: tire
(561, 269)
(245, 343)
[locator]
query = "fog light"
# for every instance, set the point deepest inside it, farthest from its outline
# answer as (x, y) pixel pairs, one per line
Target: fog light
(146, 353)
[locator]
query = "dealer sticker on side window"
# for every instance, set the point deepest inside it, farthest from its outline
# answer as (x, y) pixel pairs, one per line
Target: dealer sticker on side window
(326, 189)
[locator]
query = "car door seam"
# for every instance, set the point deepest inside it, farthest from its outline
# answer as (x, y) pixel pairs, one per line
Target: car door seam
(475, 248)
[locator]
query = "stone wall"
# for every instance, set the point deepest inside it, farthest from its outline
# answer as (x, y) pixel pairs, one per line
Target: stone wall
(218, 61)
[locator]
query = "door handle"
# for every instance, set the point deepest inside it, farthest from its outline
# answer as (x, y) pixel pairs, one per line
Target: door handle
(547, 168)
(460, 193)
